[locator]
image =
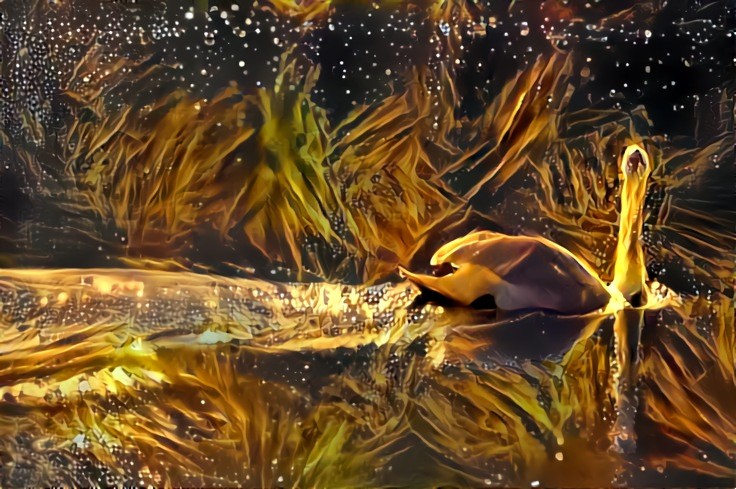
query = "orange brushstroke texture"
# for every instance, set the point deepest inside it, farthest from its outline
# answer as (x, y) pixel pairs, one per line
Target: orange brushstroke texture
(156, 375)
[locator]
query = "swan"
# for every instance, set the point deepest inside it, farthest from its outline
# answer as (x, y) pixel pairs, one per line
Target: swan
(532, 272)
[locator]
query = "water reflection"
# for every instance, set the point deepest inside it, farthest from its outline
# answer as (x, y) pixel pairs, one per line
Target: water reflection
(440, 396)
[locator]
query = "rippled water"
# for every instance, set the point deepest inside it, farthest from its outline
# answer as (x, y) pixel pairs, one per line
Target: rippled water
(246, 388)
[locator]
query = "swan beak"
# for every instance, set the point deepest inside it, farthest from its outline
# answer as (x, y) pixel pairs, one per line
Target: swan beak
(635, 160)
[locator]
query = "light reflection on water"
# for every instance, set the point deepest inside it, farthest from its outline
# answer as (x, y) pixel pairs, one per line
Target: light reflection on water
(476, 399)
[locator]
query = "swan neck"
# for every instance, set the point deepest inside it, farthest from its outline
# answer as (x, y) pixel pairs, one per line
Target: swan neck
(630, 267)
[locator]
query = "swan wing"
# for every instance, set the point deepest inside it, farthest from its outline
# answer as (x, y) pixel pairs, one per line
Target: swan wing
(522, 272)
(538, 274)
(494, 251)
(458, 250)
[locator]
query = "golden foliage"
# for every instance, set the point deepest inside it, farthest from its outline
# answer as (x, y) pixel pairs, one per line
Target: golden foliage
(269, 171)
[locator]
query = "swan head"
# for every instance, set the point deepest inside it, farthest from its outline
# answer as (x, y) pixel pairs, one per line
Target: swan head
(635, 161)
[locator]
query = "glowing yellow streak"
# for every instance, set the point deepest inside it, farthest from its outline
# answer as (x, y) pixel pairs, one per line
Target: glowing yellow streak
(630, 273)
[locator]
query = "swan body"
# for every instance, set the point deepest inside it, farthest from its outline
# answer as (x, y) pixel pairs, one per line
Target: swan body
(520, 272)
(532, 272)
